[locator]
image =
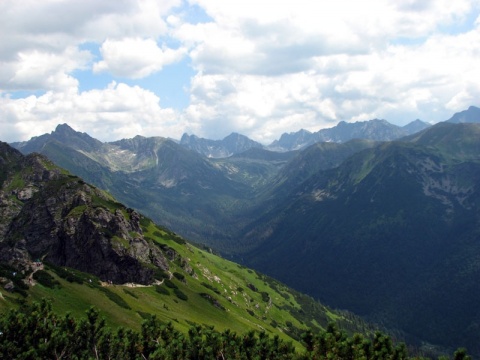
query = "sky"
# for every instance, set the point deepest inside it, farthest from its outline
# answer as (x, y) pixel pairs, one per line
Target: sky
(120, 68)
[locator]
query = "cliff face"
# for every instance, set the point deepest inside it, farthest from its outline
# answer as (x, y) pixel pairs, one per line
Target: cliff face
(50, 215)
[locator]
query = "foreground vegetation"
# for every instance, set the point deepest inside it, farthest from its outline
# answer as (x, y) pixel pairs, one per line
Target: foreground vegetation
(199, 287)
(36, 332)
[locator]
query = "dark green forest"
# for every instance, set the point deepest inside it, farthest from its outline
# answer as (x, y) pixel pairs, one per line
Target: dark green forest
(35, 332)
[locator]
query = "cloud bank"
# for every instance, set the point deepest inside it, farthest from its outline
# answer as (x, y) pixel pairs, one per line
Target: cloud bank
(260, 68)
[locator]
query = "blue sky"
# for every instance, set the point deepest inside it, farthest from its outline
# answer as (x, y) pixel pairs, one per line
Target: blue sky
(171, 84)
(120, 68)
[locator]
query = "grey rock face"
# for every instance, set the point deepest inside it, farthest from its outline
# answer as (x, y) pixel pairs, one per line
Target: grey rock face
(59, 218)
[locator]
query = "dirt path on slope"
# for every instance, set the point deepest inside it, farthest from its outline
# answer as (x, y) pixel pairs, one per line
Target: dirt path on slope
(35, 266)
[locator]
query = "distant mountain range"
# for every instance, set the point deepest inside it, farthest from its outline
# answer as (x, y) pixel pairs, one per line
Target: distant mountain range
(386, 228)
(378, 130)
(232, 144)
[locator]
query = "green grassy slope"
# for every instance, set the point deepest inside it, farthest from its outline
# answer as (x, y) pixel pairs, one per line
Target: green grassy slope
(216, 292)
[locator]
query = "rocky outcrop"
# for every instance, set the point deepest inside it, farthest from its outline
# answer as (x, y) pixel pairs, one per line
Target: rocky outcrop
(57, 217)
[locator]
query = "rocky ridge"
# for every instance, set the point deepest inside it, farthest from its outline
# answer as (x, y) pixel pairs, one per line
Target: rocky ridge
(376, 130)
(50, 215)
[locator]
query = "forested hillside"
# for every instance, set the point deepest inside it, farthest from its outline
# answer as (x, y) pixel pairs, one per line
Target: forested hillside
(392, 234)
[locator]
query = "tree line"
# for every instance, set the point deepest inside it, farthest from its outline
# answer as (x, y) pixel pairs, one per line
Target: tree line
(34, 331)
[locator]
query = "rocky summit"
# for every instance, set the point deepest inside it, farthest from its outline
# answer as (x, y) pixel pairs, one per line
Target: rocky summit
(49, 215)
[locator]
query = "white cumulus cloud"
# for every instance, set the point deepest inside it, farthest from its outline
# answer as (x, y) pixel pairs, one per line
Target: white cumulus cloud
(256, 67)
(135, 57)
(115, 112)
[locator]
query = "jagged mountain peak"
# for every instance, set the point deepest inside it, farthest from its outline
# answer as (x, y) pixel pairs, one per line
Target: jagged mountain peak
(415, 122)
(8, 154)
(186, 138)
(65, 131)
(64, 128)
(375, 129)
(415, 126)
(364, 122)
(235, 135)
(471, 115)
(234, 143)
(297, 133)
(292, 141)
